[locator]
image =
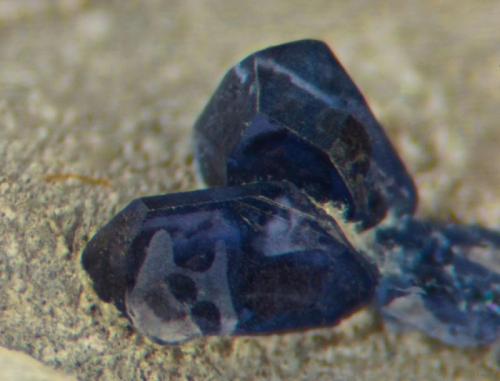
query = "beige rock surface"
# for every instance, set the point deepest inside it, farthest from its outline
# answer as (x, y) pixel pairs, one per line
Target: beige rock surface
(17, 366)
(97, 100)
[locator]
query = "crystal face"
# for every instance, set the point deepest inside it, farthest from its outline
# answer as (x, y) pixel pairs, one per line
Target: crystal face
(299, 160)
(228, 261)
(292, 112)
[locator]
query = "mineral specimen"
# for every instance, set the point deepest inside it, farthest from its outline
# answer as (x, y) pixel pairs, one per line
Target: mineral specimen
(300, 160)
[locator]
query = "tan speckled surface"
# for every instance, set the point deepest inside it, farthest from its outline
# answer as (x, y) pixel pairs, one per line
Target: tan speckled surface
(97, 100)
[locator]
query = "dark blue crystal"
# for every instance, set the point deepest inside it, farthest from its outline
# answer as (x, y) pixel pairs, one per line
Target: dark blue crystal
(278, 263)
(292, 112)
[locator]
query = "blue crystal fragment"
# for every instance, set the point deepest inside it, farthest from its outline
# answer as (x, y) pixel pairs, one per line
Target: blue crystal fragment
(228, 261)
(441, 279)
(292, 112)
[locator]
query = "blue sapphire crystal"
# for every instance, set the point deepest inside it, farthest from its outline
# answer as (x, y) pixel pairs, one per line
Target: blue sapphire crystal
(292, 112)
(228, 261)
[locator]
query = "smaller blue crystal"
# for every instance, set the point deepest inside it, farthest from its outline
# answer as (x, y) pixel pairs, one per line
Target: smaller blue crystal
(441, 279)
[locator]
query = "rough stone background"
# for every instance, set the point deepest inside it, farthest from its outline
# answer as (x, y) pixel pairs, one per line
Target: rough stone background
(97, 100)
